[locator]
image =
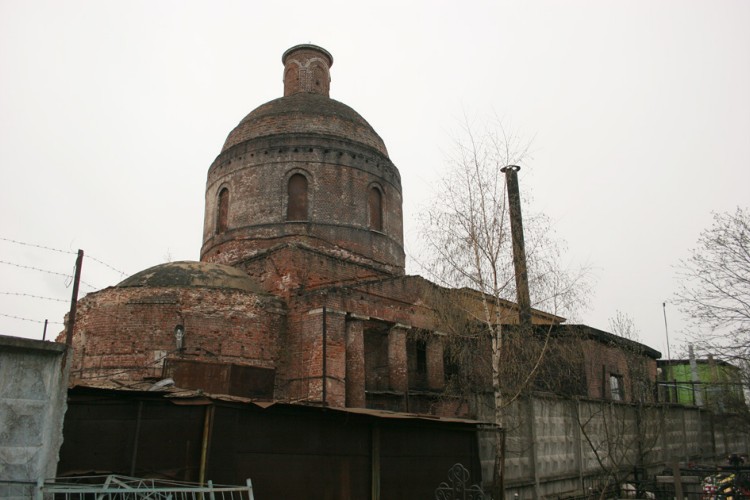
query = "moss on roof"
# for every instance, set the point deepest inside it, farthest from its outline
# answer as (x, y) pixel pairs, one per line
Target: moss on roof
(305, 113)
(192, 274)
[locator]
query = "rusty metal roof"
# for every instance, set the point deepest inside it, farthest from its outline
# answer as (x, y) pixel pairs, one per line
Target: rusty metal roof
(180, 396)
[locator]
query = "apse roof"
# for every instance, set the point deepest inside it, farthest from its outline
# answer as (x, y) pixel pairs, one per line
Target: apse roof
(192, 274)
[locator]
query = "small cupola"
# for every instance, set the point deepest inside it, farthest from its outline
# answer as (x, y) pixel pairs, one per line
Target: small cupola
(307, 69)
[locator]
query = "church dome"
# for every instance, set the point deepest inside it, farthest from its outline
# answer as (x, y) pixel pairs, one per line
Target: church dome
(304, 170)
(191, 274)
(306, 113)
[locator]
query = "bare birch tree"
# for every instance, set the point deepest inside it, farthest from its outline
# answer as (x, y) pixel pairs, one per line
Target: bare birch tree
(466, 232)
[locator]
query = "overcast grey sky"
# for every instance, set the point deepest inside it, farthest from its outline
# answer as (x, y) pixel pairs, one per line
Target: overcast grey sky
(112, 112)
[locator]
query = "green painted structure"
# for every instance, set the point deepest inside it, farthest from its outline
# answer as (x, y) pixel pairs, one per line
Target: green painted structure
(718, 384)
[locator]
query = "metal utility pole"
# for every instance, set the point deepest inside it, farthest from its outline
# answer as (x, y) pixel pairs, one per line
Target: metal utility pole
(519, 250)
(666, 330)
(697, 389)
(74, 300)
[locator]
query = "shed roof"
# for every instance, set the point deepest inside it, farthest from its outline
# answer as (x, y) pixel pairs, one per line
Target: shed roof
(193, 397)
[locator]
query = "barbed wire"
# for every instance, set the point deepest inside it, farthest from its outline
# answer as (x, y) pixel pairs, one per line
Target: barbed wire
(69, 277)
(22, 266)
(115, 316)
(21, 294)
(106, 265)
(90, 285)
(38, 246)
(31, 320)
(69, 252)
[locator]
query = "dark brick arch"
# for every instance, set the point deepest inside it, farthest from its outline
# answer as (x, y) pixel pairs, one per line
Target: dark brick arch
(375, 208)
(297, 198)
(222, 210)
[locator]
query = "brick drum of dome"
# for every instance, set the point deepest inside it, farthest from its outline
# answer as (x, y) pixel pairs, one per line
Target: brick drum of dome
(306, 170)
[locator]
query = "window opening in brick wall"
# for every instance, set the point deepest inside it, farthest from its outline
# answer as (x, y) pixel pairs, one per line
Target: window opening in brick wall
(375, 204)
(451, 366)
(222, 216)
(616, 387)
(416, 352)
(376, 359)
(297, 198)
(421, 357)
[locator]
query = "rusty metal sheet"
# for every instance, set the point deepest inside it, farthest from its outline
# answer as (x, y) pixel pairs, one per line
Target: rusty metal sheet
(199, 398)
(221, 378)
(289, 451)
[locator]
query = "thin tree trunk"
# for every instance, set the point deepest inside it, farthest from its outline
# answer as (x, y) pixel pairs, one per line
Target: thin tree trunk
(498, 479)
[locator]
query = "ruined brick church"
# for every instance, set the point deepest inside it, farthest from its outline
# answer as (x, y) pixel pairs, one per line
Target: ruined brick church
(300, 294)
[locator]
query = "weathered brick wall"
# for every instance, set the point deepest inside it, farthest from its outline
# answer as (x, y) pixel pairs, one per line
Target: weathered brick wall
(301, 373)
(289, 269)
(602, 360)
(389, 350)
(339, 177)
(355, 363)
(126, 332)
(414, 301)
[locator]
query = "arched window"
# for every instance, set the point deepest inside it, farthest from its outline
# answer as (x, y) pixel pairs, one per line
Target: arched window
(375, 205)
(319, 79)
(291, 80)
(296, 208)
(222, 213)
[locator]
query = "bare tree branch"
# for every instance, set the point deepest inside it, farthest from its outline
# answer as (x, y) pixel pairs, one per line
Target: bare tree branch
(715, 286)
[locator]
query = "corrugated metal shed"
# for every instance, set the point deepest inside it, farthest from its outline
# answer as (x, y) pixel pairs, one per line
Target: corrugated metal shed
(288, 450)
